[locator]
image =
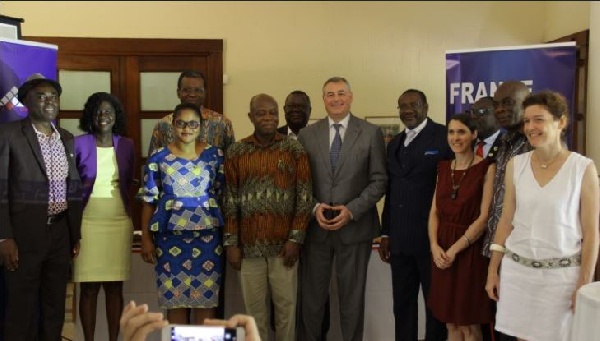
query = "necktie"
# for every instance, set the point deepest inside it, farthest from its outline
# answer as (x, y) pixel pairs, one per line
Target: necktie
(479, 151)
(410, 135)
(336, 146)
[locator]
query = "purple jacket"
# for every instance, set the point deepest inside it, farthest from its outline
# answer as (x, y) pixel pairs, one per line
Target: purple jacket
(86, 157)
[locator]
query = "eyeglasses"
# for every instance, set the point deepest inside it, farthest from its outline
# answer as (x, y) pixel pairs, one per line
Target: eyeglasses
(189, 91)
(408, 106)
(46, 97)
(180, 124)
(479, 112)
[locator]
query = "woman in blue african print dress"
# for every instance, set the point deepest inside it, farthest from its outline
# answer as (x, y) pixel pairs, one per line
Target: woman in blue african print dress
(181, 220)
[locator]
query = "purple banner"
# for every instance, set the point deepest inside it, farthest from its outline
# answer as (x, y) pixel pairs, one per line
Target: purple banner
(471, 75)
(18, 60)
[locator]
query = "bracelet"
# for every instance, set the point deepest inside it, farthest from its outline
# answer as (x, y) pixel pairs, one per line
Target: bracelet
(497, 247)
(467, 239)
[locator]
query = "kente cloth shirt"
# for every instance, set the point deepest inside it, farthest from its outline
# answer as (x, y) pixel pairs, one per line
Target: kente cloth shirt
(512, 143)
(268, 195)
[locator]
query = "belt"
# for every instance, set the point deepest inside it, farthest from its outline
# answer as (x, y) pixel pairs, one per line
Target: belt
(548, 263)
(55, 218)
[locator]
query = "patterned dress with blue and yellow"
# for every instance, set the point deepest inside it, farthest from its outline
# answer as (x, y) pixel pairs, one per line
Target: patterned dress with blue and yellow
(185, 226)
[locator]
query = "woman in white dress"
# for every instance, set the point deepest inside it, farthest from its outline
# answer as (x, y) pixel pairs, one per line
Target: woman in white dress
(547, 237)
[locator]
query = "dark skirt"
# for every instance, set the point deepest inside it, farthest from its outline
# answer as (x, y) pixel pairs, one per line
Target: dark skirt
(457, 294)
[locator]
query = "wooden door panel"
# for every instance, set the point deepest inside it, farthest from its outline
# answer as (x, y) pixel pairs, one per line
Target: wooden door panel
(109, 64)
(125, 58)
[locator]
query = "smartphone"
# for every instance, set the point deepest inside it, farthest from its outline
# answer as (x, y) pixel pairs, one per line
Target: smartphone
(175, 332)
(330, 214)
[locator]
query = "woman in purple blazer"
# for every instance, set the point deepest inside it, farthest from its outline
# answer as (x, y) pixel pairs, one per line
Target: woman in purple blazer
(105, 161)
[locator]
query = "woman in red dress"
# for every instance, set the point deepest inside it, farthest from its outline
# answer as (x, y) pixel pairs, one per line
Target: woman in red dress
(457, 220)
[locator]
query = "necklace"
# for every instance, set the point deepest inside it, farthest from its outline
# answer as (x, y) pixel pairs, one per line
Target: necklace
(456, 186)
(545, 166)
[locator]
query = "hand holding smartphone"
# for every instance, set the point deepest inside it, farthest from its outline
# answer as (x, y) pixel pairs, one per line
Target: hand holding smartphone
(330, 214)
(176, 332)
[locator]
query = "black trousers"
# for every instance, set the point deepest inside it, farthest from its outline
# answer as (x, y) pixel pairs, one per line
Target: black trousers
(36, 291)
(408, 273)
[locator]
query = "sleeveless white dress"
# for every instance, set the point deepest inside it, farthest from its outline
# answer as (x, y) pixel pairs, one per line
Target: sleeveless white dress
(535, 303)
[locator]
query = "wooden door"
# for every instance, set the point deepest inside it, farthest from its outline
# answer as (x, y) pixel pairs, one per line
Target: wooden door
(142, 73)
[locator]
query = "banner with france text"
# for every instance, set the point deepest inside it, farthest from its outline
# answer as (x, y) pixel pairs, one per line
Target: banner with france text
(19, 59)
(472, 74)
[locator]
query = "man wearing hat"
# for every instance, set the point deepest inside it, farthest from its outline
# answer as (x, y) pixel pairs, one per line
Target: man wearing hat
(40, 214)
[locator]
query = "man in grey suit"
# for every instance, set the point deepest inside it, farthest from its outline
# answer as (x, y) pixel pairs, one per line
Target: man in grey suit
(347, 158)
(40, 214)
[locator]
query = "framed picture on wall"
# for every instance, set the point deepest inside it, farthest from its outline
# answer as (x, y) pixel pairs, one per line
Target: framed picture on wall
(390, 125)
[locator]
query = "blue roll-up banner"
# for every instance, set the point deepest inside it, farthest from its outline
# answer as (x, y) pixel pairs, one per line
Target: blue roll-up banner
(472, 74)
(19, 59)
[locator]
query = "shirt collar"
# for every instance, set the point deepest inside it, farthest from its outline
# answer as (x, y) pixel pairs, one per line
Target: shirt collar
(344, 121)
(55, 134)
(490, 139)
(252, 140)
(290, 132)
(418, 128)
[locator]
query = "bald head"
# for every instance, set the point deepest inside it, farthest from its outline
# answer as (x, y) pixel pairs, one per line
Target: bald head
(507, 104)
(260, 98)
(264, 115)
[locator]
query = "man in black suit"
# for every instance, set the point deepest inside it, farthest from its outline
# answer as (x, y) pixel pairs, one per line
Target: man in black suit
(412, 159)
(482, 112)
(40, 214)
(297, 113)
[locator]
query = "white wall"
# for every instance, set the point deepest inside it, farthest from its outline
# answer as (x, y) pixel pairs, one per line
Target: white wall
(383, 48)
(276, 47)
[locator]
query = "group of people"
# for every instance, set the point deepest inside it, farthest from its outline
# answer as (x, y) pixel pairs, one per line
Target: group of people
(496, 186)
(286, 205)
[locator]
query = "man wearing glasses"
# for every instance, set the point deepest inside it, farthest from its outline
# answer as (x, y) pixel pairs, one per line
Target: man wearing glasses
(216, 129)
(482, 112)
(412, 158)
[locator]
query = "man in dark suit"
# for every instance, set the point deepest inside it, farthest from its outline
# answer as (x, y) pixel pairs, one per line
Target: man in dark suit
(40, 214)
(412, 159)
(347, 159)
(482, 112)
(297, 113)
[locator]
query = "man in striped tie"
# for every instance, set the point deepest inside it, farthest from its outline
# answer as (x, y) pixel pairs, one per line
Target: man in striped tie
(347, 159)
